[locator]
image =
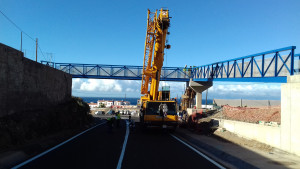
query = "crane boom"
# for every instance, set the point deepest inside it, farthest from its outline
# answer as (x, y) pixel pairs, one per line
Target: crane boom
(157, 29)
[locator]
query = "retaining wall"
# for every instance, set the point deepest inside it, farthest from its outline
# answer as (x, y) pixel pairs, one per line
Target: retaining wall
(290, 115)
(26, 85)
(248, 103)
(265, 134)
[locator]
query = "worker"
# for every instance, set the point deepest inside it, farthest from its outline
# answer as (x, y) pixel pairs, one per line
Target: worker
(118, 119)
(185, 71)
(131, 123)
(190, 71)
(183, 117)
(110, 122)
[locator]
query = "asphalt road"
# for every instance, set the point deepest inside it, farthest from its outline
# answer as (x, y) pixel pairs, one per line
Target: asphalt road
(101, 148)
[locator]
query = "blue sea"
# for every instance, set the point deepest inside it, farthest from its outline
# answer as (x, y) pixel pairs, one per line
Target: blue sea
(133, 101)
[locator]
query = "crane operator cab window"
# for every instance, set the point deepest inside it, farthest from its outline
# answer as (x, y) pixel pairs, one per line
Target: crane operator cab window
(154, 108)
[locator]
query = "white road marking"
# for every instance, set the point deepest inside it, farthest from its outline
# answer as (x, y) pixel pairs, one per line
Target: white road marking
(198, 152)
(53, 148)
(124, 146)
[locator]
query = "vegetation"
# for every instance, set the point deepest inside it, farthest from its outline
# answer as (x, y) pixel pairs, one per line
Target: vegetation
(19, 128)
(102, 105)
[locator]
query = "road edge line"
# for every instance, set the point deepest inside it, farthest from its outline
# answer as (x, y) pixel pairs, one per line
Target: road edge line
(53, 148)
(124, 146)
(198, 152)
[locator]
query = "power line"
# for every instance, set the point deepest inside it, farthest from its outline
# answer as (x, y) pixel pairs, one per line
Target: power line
(41, 52)
(16, 25)
(23, 32)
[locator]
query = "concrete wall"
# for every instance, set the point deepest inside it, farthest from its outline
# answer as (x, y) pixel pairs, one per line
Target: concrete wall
(285, 137)
(26, 85)
(265, 134)
(248, 103)
(290, 115)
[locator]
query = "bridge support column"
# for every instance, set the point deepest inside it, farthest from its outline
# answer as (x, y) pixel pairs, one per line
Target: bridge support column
(199, 87)
(199, 100)
(290, 115)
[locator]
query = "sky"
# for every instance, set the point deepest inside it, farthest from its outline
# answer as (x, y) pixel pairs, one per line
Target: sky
(113, 32)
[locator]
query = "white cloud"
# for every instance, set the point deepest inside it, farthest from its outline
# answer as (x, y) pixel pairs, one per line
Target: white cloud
(245, 90)
(129, 90)
(222, 90)
(76, 83)
(98, 87)
(94, 85)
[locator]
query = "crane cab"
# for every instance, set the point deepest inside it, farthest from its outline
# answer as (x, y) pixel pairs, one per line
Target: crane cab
(160, 113)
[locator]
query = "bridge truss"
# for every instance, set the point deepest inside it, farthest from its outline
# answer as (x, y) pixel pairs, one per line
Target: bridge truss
(119, 72)
(270, 66)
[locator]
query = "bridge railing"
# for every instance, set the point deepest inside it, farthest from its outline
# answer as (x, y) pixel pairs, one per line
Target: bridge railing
(121, 72)
(270, 66)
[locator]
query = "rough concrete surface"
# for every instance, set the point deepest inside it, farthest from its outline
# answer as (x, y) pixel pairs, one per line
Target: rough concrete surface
(26, 85)
(246, 103)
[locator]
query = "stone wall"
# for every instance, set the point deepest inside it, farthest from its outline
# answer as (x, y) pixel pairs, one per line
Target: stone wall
(26, 85)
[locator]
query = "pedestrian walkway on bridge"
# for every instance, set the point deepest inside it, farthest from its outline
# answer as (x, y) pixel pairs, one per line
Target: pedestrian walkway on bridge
(270, 66)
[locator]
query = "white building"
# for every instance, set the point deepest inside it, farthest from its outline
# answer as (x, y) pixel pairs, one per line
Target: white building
(106, 103)
(110, 103)
(93, 105)
(121, 103)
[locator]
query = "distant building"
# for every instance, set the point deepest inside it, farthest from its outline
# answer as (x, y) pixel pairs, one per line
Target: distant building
(121, 103)
(106, 103)
(93, 105)
(118, 103)
(110, 103)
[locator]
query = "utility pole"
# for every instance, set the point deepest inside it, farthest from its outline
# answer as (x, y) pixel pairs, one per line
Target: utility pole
(21, 41)
(36, 49)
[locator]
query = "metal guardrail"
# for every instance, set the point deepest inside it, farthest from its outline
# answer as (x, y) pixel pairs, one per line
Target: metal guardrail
(270, 66)
(120, 72)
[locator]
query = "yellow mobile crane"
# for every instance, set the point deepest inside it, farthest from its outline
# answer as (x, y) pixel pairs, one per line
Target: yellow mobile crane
(156, 107)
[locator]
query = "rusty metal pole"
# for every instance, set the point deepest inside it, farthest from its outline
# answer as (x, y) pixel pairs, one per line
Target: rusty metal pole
(36, 49)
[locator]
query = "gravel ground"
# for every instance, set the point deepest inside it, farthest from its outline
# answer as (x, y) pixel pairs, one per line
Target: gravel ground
(251, 115)
(204, 126)
(250, 144)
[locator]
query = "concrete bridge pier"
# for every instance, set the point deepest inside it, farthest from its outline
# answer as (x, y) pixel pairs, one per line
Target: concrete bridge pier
(199, 87)
(290, 115)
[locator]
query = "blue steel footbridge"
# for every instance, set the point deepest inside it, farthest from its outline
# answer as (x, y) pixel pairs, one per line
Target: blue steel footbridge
(120, 72)
(269, 66)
